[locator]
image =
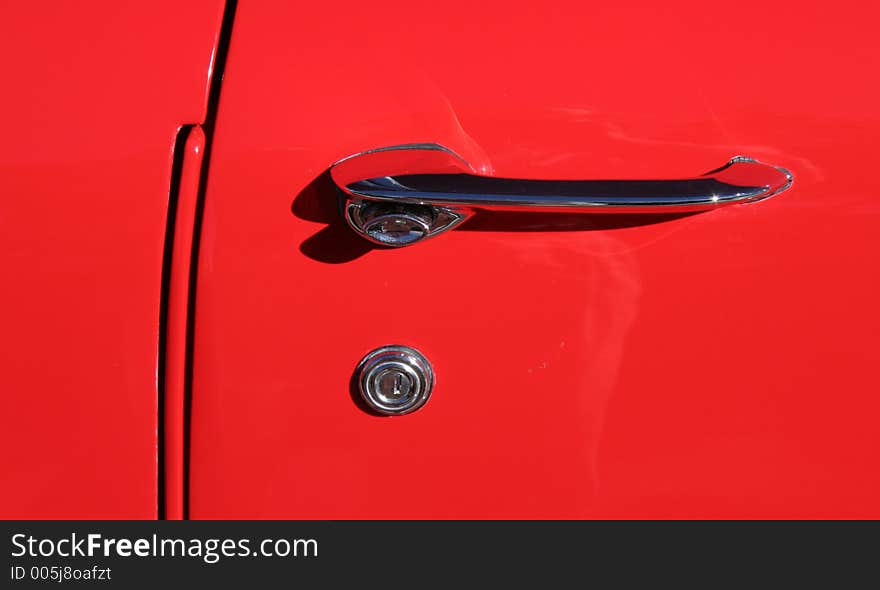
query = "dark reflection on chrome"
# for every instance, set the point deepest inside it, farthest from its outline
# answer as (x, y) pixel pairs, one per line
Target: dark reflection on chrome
(475, 191)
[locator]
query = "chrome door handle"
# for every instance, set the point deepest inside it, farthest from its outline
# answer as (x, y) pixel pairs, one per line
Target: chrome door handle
(400, 195)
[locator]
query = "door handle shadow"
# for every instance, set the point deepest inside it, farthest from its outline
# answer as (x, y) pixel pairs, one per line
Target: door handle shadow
(336, 243)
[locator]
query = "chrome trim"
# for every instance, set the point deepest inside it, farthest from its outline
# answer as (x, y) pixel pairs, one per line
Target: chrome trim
(431, 175)
(404, 370)
(439, 219)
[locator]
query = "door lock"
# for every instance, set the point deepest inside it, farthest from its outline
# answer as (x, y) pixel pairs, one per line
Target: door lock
(395, 380)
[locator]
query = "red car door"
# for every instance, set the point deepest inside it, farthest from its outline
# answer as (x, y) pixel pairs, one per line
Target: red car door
(93, 96)
(719, 364)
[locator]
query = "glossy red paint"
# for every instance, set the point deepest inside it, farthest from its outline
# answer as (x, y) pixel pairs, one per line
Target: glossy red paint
(715, 365)
(94, 94)
(176, 324)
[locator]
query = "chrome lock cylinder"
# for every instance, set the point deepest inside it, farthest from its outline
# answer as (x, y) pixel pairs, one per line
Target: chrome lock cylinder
(391, 224)
(394, 380)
